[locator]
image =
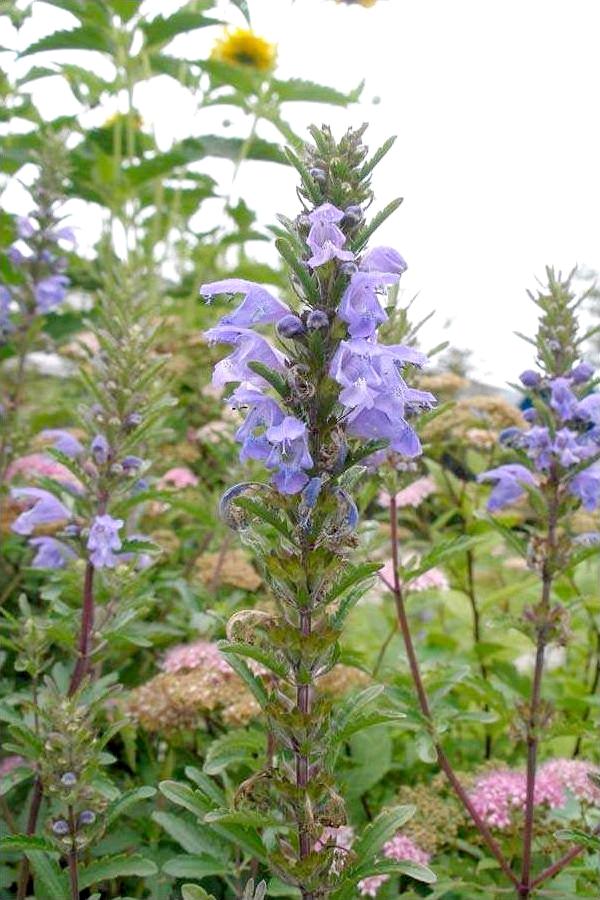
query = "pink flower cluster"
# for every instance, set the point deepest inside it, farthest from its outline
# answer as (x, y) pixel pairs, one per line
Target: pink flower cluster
(413, 495)
(179, 478)
(38, 465)
(433, 579)
(400, 849)
(497, 794)
(193, 656)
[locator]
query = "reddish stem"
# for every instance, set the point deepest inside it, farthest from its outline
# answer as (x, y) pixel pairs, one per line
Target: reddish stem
(85, 635)
(415, 671)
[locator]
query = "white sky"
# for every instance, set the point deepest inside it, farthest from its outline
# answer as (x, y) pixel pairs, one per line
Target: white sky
(495, 105)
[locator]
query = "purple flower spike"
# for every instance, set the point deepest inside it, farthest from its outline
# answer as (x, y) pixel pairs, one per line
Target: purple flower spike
(384, 259)
(51, 554)
(250, 347)
(43, 509)
(582, 373)
(258, 307)
(562, 399)
(263, 413)
(325, 239)
(104, 540)
(360, 306)
(50, 292)
(62, 441)
(25, 227)
(588, 409)
(530, 379)
(327, 212)
(586, 486)
(100, 449)
(289, 454)
(510, 481)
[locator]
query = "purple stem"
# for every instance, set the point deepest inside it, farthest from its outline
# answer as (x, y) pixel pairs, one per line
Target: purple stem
(415, 671)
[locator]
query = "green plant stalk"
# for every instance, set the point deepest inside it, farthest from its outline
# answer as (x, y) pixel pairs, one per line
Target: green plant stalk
(443, 761)
(536, 691)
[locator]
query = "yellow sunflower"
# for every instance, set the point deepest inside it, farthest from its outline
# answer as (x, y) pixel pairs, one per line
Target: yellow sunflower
(365, 3)
(244, 48)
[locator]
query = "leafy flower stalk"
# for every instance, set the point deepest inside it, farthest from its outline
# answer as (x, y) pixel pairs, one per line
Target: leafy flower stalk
(322, 398)
(77, 521)
(556, 464)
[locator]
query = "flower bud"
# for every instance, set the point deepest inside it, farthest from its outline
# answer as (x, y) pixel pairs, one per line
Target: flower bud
(133, 420)
(530, 415)
(582, 373)
(87, 817)
(510, 437)
(68, 779)
(352, 216)
(131, 464)
(529, 378)
(319, 175)
(290, 327)
(348, 268)
(317, 318)
(100, 449)
(60, 827)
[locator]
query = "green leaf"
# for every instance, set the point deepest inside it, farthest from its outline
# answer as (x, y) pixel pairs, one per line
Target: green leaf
(161, 30)
(88, 37)
(185, 796)
(590, 841)
(234, 748)
(13, 778)
(125, 9)
(50, 880)
(243, 79)
(194, 891)
(242, 5)
(255, 508)
(381, 830)
(297, 89)
(194, 867)
(264, 657)
(25, 842)
(273, 378)
(412, 869)
(443, 551)
(188, 836)
(119, 866)
(207, 786)
(363, 236)
(253, 683)
(377, 157)
(126, 801)
(354, 575)
(310, 286)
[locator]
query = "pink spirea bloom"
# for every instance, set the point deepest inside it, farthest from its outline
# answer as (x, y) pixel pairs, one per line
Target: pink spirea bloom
(341, 840)
(39, 465)
(413, 495)
(400, 848)
(434, 579)
(193, 656)
(9, 763)
(499, 793)
(572, 774)
(179, 478)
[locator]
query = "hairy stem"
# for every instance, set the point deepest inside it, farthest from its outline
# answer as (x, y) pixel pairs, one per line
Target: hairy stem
(476, 618)
(415, 671)
(73, 868)
(85, 635)
(536, 690)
